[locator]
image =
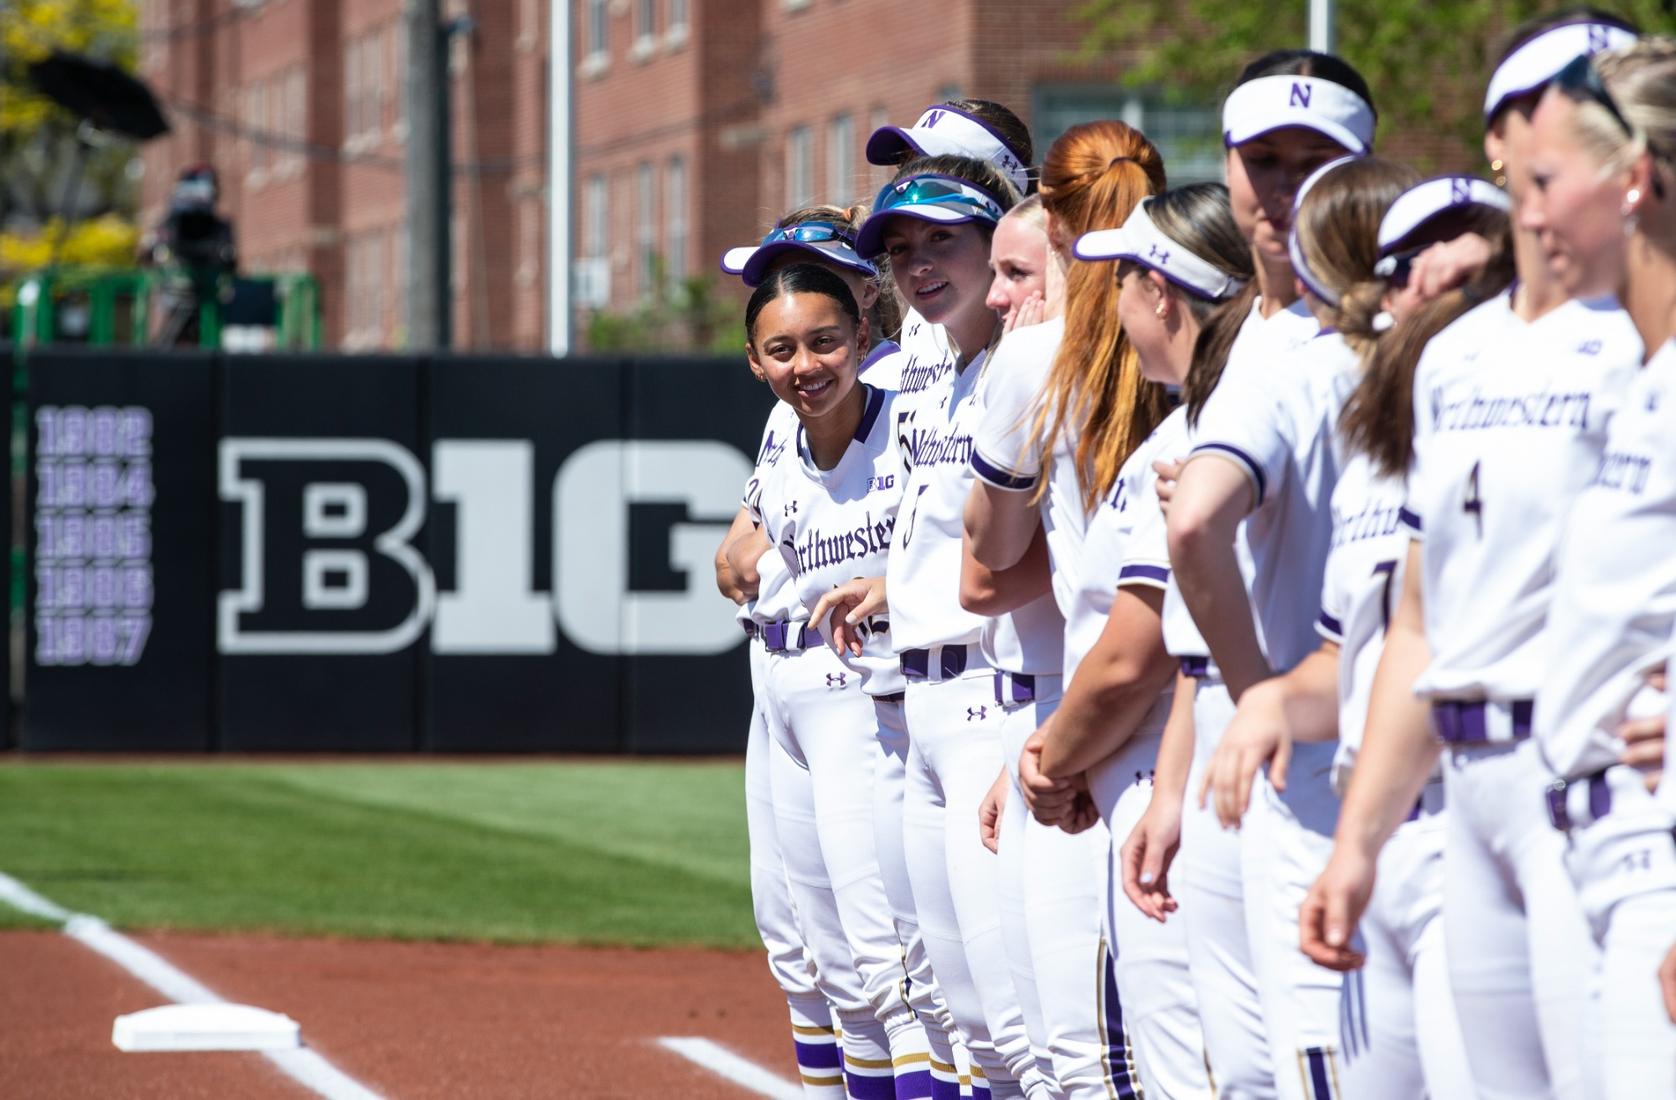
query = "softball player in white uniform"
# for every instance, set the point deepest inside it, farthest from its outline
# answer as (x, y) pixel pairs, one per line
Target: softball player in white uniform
(1510, 407)
(1597, 159)
(823, 235)
(1040, 393)
(1290, 113)
(933, 222)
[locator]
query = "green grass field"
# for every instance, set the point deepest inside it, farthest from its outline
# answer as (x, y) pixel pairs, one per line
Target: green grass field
(605, 852)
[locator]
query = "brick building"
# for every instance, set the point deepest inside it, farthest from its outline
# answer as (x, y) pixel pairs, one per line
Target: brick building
(695, 123)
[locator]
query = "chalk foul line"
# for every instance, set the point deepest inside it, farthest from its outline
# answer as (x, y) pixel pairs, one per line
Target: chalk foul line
(304, 1066)
(724, 1063)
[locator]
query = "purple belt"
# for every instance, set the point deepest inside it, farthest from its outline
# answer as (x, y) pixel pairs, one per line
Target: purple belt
(750, 626)
(1599, 801)
(1196, 667)
(951, 661)
(1014, 687)
(1467, 723)
(781, 636)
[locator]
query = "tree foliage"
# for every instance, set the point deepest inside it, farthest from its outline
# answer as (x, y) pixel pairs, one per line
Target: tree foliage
(1426, 60)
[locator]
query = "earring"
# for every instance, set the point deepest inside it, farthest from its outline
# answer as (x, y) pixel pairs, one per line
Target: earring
(1501, 176)
(1160, 311)
(1631, 199)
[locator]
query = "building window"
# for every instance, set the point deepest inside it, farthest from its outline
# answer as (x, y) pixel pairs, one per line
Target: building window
(592, 283)
(255, 126)
(367, 91)
(645, 229)
(799, 169)
(1187, 132)
(678, 19)
(596, 13)
(645, 24)
(675, 220)
(840, 160)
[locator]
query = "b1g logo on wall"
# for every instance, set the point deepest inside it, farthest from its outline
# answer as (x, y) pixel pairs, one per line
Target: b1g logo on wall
(328, 560)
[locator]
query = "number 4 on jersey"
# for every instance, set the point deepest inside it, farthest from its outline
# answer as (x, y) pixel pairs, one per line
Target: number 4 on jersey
(1474, 503)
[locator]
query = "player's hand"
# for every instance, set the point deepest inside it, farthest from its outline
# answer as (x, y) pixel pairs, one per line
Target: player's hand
(994, 804)
(1026, 313)
(1050, 800)
(1081, 816)
(1330, 913)
(847, 606)
(1643, 733)
(1147, 856)
(1168, 474)
(1667, 982)
(1258, 735)
(1448, 264)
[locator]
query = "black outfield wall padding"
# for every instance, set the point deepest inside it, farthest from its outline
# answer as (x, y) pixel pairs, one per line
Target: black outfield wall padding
(389, 554)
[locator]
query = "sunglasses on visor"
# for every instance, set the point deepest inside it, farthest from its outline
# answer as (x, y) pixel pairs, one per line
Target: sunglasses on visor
(936, 191)
(812, 233)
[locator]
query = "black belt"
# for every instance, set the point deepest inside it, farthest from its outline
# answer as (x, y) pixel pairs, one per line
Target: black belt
(1461, 723)
(1014, 687)
(893, 697)
(951, 662)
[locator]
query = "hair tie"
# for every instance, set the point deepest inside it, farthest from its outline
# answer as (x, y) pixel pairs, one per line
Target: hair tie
(1115, 161)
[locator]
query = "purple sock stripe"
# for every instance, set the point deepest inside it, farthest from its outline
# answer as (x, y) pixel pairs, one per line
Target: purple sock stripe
(942, 1088)
(818, 1055)
(1117, 1039)
(864, 1087)
(1321, 1087)
(916, 1084)
(980, 1092)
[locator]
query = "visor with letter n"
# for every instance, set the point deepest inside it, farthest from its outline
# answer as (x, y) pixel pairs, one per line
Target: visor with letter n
(946, 131)
(1402, 232)
(1272, 103)
(1531, 66)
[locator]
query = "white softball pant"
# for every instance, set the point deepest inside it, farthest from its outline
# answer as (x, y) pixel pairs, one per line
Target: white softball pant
(1017, 724)
(1063, 881)
(1208, 881)
(939, 1065)
(1401, 1037)
(953, 757)
(823, 808)
(1151, 1001)
(1624, 868)
(1284, 843)
(813, 1036)
(1520, 953)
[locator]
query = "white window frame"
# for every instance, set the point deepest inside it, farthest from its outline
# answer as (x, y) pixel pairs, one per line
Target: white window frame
(645, 29)
(678, 21)
(840, 159)
(675, 219)
(800, 168)
(596, 36)
(645, 226)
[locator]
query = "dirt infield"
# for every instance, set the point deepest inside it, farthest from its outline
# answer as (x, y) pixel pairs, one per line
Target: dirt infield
(407, 1020)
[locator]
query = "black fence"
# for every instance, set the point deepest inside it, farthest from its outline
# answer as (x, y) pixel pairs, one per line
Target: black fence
(381, 554)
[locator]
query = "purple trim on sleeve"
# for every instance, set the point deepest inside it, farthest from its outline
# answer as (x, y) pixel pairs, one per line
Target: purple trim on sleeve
(1410, 521)
(1330, 627)
(879, 351)
(869, 413)
(1143, 574)
(1246, 460)
(998, 477)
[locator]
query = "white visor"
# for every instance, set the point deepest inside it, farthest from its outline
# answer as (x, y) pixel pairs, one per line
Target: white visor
(1294, 249)
(1142, 242)
(944, 131)
(1538, 61)
(1422, 203)
(750, 262)
(1271, 103)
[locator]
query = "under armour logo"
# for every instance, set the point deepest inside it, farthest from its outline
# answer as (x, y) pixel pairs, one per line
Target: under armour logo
(931, 119)
(836, 679)
(1460, 192)
(1300, 95)
(1162, 255)
(1589, 347)
(976, 714)
(789, 509)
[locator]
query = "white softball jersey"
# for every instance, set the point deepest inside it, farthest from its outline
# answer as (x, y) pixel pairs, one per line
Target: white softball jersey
(1030, 639)
(1510, 421)
(832, 526)
(1359, 591)
(1614, 603)
(1126, 542)
(933, 434)
(1262, 342)
(1004, 456)
(776, 599)
(928, 355)
(1275, 420)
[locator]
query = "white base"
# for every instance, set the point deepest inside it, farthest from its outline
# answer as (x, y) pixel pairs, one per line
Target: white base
(205, 1027)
